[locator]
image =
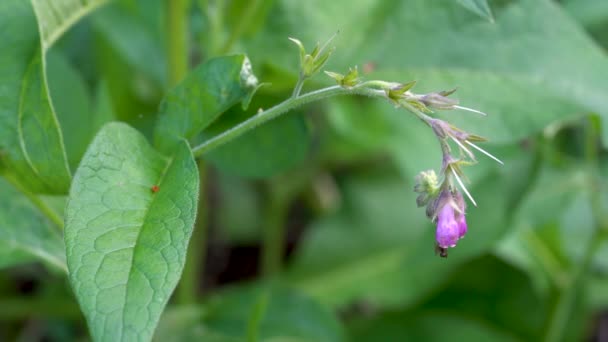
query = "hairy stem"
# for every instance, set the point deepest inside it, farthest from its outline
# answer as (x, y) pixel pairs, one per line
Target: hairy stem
(281, 108)
(277, 206)
(298, 88)
(177, 40)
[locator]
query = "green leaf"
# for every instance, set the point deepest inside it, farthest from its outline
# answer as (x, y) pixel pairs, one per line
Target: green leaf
(207, 92)
(56, 17)
(126, 245)
(479, 7)
(26, 235)
(30, 138)
(72, 104)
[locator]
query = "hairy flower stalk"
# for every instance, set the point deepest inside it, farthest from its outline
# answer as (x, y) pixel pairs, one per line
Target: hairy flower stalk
(446, 206)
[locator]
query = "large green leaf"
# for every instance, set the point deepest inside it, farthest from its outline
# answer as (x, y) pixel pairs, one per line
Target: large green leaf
(26, 235)
(126, 244)
(202, 97)
(526, 66)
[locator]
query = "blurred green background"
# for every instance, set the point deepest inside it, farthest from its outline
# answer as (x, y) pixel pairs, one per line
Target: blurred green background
(312, 231)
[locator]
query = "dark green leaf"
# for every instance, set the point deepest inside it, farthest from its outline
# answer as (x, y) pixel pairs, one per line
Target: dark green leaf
(126, 244)
(202, 97)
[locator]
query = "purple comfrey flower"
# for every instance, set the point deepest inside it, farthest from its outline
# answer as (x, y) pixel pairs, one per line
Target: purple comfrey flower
(451, 221)
(462, 225)
(448, 228)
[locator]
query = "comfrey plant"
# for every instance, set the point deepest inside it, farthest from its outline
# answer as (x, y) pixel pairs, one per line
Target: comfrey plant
(443, 200)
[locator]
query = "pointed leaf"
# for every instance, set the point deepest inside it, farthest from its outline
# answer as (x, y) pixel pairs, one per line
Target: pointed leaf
(202, 97)
(126, 244)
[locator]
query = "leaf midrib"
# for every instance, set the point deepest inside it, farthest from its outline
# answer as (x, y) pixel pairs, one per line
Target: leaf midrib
(131, 266)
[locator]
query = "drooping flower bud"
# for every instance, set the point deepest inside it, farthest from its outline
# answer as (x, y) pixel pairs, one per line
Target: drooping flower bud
(448, 230)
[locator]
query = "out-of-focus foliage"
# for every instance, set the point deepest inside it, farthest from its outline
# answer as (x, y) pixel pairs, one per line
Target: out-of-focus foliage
(330, 183)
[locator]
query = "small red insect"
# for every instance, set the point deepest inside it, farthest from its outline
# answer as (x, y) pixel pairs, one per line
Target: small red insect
(155, 188)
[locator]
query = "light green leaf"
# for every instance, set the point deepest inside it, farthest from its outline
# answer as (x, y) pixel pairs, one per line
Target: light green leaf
(479, 7)
(126, 245)
(207, 92)
(26, 235)
(57, 16)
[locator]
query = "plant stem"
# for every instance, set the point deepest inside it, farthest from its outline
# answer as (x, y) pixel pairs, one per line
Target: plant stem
(187, 291)
(283, 107)
(277, 205)
(298, 88)
(567, 298)
(177, 40)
